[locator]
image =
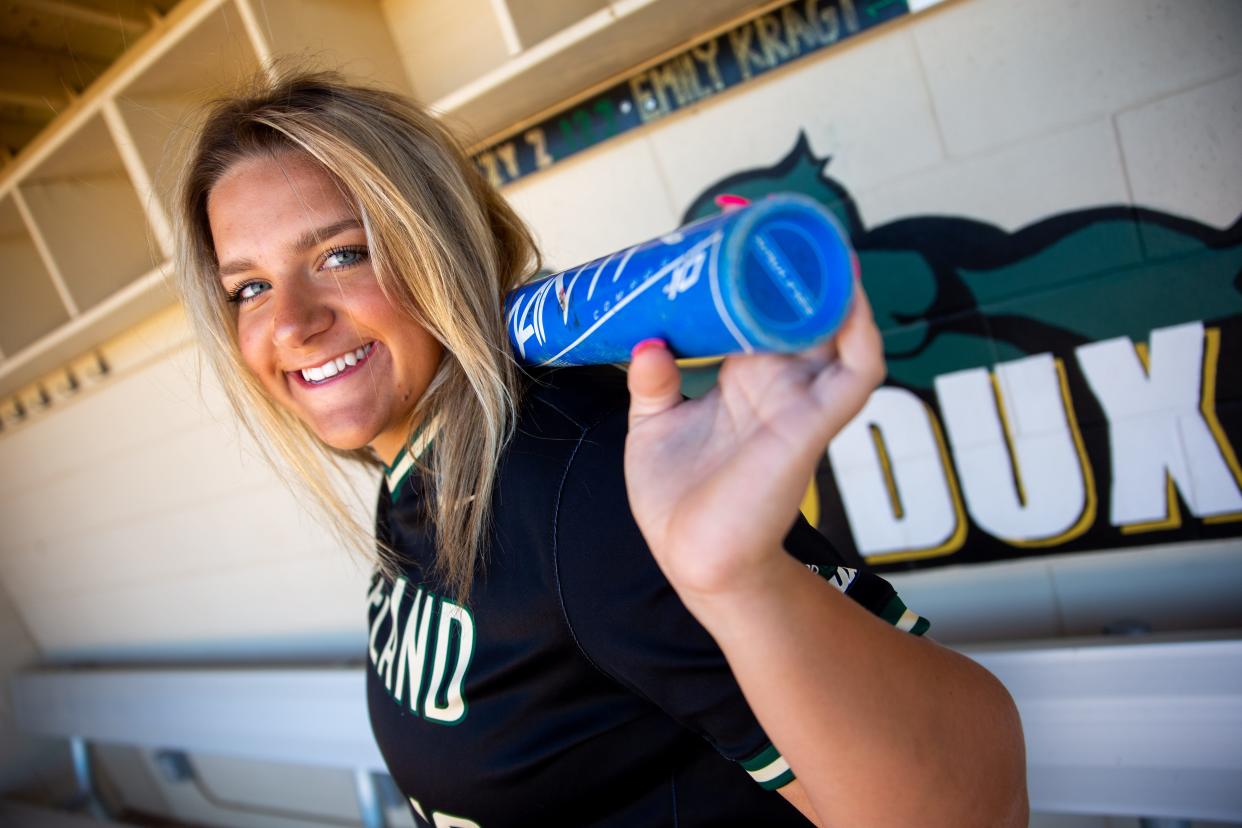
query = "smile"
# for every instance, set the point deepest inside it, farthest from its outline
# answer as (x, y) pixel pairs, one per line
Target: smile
(333, 368)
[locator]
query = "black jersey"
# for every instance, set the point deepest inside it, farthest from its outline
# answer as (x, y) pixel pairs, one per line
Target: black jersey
(573, 688)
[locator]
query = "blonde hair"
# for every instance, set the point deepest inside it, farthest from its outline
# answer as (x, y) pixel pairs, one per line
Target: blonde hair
(445, 248)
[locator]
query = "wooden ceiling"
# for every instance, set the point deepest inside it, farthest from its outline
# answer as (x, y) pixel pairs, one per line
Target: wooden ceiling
(51, 51)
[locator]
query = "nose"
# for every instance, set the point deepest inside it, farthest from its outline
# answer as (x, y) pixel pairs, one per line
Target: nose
(300, 315)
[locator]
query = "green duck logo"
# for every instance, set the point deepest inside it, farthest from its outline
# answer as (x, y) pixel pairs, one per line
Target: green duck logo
(1068, 386)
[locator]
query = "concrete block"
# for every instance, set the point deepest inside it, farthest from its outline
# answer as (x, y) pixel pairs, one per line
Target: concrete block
(1012, 187)
(282, 610)
(1183, 153)
(1170, 587)
(595, 203)
(982, 602)
(1000, 71)
(864, 105)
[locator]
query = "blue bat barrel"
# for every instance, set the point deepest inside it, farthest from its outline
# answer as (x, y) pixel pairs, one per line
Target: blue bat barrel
(774, 276)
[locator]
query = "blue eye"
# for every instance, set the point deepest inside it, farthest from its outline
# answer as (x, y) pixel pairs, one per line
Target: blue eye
(248, 290)
(345, 257)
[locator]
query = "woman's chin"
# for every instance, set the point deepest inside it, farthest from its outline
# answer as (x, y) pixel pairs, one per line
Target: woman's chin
(344, 439)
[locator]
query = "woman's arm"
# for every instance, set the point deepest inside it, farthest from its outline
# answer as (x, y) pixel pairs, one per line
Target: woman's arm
(881, 727)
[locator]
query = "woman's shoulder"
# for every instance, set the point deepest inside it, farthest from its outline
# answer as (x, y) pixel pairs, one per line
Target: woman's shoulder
(560, 410)
(564, 414)
(560, 402)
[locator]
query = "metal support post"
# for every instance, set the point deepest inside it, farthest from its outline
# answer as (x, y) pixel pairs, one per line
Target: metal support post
(85, 777)
(368, 799)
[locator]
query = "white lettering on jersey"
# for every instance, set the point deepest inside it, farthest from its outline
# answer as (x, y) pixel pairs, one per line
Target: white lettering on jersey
(411, 648)
(841, 577)
(443, 820)
(384, 665)
(377, 598)
(454, 709)
(413, 654)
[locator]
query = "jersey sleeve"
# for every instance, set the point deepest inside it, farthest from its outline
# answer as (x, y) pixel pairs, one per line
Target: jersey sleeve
(629, 622)
(874, 593)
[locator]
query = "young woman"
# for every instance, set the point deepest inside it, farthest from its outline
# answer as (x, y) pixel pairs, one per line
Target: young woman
(589, 605)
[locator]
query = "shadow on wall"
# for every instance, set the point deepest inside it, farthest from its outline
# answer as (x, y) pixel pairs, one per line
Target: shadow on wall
(1061, 388)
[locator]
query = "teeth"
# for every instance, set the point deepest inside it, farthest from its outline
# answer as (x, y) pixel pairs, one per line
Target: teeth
(335, 366)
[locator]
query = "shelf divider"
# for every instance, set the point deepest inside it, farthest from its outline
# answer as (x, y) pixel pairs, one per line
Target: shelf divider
(262, 49)
(45, 253)
(130, 305)
(508, 29)
(157, 218)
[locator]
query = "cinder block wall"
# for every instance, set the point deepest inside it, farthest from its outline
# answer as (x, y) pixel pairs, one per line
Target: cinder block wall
(145, 525)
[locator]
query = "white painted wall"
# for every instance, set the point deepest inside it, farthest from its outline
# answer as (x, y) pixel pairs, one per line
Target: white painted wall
(138, 524)
(38, 768)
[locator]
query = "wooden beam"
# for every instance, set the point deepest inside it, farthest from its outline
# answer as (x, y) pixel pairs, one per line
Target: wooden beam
(15, 134)
(29, 99)
(22, 66)
(86, 14)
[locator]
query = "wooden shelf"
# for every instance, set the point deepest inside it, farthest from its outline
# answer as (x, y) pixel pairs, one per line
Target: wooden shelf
(85, 208)
(440, 53)
(156, 107)
(350, 36)
(534, 21)
(593, 50)
(90, 260)
(122, 310)
(31, 307)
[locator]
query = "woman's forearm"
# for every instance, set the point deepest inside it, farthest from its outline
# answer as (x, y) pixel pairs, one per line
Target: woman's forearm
(881, 727)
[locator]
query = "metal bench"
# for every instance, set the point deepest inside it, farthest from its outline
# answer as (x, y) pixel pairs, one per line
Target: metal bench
(1147, 725)
(24, 815)
(1144, 725)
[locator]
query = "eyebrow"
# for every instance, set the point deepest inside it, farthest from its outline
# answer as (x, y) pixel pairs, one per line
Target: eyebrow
(304, 242)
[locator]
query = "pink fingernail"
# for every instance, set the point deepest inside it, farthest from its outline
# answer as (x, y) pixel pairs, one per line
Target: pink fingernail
(653, 342)
(731, 201)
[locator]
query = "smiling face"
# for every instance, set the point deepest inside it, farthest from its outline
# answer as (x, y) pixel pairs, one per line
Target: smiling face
(312, 323)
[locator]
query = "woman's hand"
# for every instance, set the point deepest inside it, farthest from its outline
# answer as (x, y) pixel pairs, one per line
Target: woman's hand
(715, 483)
